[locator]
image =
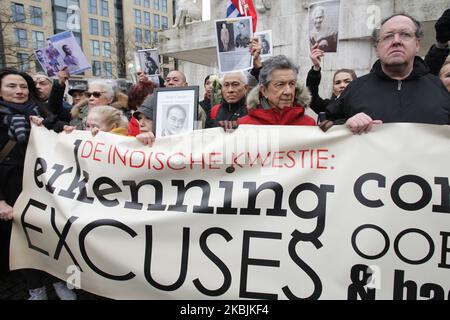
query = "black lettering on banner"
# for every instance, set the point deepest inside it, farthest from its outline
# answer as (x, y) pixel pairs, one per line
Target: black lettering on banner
(76, 182)
(25, 225)
(445, 250)
(277, 210)
(227, 209)
(40, 167)
(104, 223)
(400, 285)
(414, 262)
(181, 195)
(360, 276)
(219, 263)
(148, 261)
(62, 237)
(297, 238)
(319, 212)
(432, 291)
(58, 172)
(101, 193)
(134, 189)
(357, 189)
(247, 261)
(422, 183)
(380, 230)
(428, 290)
(444, 207)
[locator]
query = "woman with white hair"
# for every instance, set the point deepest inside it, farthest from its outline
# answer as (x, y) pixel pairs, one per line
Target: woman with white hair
(100, 92)
(280, 99)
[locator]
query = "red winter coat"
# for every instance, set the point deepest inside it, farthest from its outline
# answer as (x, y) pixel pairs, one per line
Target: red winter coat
(289, 116)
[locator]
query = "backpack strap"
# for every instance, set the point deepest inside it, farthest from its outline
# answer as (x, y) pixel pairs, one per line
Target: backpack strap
(7, 149)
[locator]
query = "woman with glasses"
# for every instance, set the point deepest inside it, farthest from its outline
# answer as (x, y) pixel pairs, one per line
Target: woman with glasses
(100, 93)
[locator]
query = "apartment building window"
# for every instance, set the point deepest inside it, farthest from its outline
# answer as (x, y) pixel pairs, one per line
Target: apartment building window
(106, 31)
(108, 69)
(93, 26)
(156, 4)
(137, 17)
(95, 48)
(38, 39)
(147, 19)
(155, 38)
(165, 23)
(23, 61)
(96, 68)
(156, 21)
(138, 35)
(61, 18)
(107, 49)
(93, 6)
(164, 5)
(147, 3)
(147, 36)
(36, 16)
(137, 2)
(21, 37)
(105, 11)
(17, 12)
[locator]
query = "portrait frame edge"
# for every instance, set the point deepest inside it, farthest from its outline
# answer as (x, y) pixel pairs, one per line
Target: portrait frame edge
(195, 89)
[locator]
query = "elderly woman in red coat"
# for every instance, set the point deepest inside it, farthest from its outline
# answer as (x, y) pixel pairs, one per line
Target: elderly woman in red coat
(279, 99)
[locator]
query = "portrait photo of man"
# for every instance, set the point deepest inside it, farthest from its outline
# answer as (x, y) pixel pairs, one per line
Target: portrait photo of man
(324, 25)
(70, 60)
(175, 120)
(242, 32)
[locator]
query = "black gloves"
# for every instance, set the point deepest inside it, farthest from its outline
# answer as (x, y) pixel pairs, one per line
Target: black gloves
(442, 27)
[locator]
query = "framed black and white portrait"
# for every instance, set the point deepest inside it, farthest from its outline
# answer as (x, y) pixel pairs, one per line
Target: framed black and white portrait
(176, 111)
(149, 61)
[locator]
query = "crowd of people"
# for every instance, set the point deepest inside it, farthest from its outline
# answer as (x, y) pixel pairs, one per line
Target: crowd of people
(401, 87)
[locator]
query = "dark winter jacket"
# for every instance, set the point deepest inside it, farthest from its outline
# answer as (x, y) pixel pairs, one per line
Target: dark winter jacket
(226, 112)
(420, 98)
(312, 82)
(435, 59)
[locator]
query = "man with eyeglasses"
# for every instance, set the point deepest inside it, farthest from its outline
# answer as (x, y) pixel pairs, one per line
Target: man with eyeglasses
(399, 88)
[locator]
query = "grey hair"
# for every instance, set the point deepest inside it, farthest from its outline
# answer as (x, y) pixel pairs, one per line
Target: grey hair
(241, 74)
(107, 86)
(280, 62)
(376, 31)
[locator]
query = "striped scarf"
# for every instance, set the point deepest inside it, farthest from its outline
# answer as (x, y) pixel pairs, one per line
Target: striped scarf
(15, 118)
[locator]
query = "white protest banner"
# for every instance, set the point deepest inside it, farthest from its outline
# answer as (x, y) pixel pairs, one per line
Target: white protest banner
(260, 213)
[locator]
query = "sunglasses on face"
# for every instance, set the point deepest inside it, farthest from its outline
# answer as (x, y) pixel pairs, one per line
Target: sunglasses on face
(96, 94)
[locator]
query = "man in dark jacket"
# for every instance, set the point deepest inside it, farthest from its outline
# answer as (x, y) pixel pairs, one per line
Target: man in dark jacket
(234, 91)
(399, 88)
(439, 51)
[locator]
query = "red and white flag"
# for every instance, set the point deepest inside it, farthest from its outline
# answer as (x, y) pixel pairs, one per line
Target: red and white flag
(242, 8)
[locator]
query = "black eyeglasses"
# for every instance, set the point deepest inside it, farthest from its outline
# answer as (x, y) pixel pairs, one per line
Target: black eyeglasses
(96, 94)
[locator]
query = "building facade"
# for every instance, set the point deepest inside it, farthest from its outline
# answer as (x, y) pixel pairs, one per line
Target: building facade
(108, 31)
